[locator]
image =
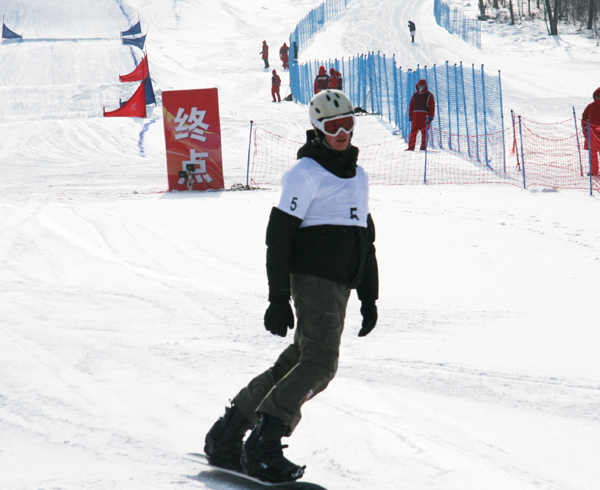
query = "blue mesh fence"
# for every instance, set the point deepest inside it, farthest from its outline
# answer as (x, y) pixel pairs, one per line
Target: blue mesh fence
(314, 21)
(455, 22)
(468, 101)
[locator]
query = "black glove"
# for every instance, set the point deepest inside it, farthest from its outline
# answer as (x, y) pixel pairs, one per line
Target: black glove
(279, 317)
(368, 310)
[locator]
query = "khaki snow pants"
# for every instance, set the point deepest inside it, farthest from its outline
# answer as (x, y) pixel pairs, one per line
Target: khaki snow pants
(306, 367)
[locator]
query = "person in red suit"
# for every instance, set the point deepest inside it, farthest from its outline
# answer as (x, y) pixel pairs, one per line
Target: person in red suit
(284, 56)
(275, 84)
(591, 115)
(265, 54)
(321, 80)
(420, 112)
(333, 81)
(340, 80)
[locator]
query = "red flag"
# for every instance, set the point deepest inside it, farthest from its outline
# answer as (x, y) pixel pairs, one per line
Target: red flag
(140, 72)
(134, 107)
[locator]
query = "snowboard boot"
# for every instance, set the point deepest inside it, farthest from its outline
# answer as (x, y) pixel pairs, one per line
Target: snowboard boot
(263, 453)
(224, 442)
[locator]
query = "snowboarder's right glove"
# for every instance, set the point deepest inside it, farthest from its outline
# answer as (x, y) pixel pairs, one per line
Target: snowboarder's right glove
(279, 317)
(368, 310)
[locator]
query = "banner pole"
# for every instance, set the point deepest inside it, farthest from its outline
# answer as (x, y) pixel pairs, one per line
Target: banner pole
(589, 142)
(578, 145)
(248, 165)
(522, 157)
(502, 119)
(427, 136)
(515, 146)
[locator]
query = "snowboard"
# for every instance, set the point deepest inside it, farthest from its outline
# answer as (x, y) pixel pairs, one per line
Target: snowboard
(297, 485)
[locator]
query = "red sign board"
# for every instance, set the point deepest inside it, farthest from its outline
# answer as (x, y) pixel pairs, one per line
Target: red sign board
(193, 139)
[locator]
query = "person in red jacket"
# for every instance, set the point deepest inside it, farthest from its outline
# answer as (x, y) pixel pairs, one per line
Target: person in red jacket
(284, 56)
(333, 81)
(340, 80)
(591, 115)
(275, 84)
(265, 54)
(420, 112)
(321, 80)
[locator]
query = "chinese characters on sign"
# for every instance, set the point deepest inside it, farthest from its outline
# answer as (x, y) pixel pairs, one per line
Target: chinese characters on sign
(194, 120)
(195, 129)
(193, 139)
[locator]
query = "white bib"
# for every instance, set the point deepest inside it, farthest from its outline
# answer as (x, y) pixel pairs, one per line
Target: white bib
(317, 197)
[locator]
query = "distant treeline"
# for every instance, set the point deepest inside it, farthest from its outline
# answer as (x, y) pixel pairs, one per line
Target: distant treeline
(582, 12)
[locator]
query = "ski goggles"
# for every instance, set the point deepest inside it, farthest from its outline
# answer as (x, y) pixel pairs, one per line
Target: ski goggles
(333, 125)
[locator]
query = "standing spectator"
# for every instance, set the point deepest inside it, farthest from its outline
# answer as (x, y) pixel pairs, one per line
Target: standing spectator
(321, 80)
(413, 30)
(591, 115)
(275, 84)
(420, 112)
(284, 56)
(340, 80)
(320, 246)
(265, 54)
(333, 81)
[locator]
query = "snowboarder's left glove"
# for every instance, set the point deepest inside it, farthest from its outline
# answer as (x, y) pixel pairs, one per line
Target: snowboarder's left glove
(279, 317)
(368, 310)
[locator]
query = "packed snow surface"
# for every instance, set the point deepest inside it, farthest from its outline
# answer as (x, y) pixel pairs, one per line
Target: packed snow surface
(129, 316)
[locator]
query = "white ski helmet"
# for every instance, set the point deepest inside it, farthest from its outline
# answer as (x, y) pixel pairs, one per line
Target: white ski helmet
(329, 103)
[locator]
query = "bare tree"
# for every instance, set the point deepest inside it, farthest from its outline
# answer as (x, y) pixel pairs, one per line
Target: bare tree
(591, 14)
(482, 5)
(552, 15)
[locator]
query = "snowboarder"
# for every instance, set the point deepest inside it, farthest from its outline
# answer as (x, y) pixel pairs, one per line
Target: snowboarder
(591, 115)
(320, 245)
(284, 56)
(275, 84)
(321, 80)
(420, 112)
(265, 53)
(413, 30)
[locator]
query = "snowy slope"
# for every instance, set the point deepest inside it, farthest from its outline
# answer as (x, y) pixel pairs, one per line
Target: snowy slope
(129, 316)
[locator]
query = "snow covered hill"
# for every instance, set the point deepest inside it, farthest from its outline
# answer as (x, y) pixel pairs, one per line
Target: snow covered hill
(129, 316)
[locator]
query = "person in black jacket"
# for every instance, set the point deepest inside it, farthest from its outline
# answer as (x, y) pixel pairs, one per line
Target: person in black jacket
(320, 246)
(412, 28)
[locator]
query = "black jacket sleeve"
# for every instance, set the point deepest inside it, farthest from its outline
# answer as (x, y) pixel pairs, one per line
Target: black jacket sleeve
(281, 231)
(368, 289)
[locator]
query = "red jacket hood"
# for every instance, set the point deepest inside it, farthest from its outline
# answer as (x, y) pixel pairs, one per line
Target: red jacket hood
(322, 70)
(421, 82)
(596, 92)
